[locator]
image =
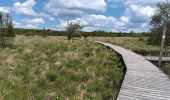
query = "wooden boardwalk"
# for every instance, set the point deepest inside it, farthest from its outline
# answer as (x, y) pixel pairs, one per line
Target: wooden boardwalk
(143, 80)
(156, 59)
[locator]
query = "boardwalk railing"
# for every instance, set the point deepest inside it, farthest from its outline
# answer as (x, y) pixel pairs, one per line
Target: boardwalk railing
(143, 80)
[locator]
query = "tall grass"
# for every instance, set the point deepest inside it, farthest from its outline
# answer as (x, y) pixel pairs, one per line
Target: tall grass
(166, 69)
(136, 44)
(53, 68)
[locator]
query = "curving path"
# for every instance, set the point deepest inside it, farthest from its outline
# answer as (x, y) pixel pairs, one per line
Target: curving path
(143, 80)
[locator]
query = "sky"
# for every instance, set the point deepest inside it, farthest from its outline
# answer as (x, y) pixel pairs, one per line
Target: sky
(108, 15)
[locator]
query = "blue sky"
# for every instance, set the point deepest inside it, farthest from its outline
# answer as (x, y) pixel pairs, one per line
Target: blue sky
(108, 15)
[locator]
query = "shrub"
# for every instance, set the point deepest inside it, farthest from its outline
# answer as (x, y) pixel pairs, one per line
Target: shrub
(141, 39)
(29, 34)
(77, 34)
(71, 28)
(45, 32)
(85, 35)
(6, 30)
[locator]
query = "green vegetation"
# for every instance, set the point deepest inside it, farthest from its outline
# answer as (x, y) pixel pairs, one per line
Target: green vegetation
(166, 69)
(45, 32)
(54, 68)
(160, 19)
(71, 28)
(84, 34)
(136, 44)
(6, 30)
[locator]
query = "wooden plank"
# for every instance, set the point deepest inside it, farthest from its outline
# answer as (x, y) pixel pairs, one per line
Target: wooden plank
(143, 80)
(152, 58)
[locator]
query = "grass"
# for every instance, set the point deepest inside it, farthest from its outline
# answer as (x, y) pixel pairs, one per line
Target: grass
(166, 69)
(53, 68)
(136, 44)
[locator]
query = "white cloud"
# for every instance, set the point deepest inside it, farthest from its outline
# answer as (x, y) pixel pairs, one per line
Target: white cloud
(142, 10)
(91, 22)
(51, 18)
(143, 3)
(36, 21)
(30, 26)
(136, 2)
(90, 29)
(137, 14)
(124, 19)
(89, 13)
(96, 20)
(25, 8)
(100, 20)
(5, 9)
(135, 18)
(62, 25)
(74, 7)
(33, 23)
(16, 24)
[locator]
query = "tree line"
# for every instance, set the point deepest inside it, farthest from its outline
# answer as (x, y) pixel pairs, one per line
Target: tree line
(99, 33)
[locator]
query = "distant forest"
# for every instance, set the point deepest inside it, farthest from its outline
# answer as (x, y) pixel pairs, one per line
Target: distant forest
(78, 34)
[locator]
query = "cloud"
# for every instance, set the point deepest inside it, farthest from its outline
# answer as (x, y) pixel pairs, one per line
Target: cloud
(30, 26)
(137, 14)
(135, 18)
(25, 8)
(91, 22)
(100, 22)
(36, 21)
(74, 7)
(124, 20)
(61, 26)
(16, 24)
(33, 23)
(143, 3)
(90, 29)
(90, 13)
(136, 2)
(5, 9)
(51, 18)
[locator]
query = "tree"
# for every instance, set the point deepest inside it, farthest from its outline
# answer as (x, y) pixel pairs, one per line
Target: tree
(10, 29)
(158, 21)
(71, 28)
(6, 29)
(1, 20)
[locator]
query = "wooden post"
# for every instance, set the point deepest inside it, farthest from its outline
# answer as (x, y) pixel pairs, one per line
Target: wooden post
(162, 45)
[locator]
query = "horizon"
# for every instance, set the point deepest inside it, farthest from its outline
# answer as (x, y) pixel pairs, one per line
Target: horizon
(107, 15)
